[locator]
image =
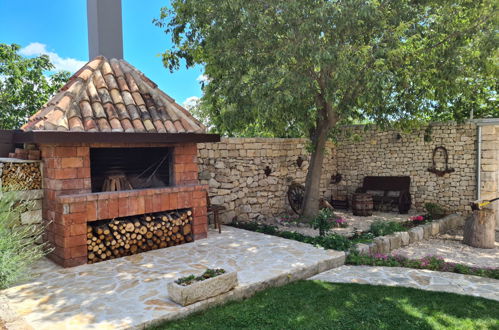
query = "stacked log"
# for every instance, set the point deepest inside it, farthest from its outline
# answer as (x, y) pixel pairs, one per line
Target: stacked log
(126, 236)
(21, 176)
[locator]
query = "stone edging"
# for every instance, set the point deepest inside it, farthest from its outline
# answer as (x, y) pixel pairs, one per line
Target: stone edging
(385, 244)
(246, 291)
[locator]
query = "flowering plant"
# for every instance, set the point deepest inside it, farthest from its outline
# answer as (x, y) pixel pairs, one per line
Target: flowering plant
(417, 218)
(340, 223)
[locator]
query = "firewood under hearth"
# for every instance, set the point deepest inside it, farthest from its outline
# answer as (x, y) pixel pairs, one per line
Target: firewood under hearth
(122, 237)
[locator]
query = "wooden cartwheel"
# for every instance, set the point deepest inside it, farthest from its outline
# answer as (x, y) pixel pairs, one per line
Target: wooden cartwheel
(296, 192)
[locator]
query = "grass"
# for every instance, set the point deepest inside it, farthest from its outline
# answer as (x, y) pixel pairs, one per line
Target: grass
(321, 305)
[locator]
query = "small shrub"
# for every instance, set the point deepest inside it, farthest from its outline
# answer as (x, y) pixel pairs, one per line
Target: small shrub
(382, 228)
(322, 221)
(18, 249)
(209, 273)
(434, 211)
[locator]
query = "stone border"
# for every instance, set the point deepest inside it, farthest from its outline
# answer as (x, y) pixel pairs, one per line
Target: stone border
(385, 244)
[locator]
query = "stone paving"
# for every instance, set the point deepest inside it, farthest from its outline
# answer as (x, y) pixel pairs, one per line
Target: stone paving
(414, 278)
(131, 292)
(449, 247)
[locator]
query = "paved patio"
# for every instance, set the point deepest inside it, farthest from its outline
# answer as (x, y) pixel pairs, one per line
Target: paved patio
(414, 278)
(131, 292)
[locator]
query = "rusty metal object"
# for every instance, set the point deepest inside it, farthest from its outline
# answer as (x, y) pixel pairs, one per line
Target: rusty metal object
(447, 169)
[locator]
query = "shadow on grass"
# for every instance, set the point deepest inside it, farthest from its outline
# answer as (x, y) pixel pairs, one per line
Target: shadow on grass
(320, 305)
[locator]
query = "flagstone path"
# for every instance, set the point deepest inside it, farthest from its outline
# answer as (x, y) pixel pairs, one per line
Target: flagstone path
(414, 278)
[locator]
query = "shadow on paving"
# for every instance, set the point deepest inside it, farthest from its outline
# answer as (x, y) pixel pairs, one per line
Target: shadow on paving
(321, 305)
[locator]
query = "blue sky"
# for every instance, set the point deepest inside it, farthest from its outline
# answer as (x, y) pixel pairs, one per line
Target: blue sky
(60, 28)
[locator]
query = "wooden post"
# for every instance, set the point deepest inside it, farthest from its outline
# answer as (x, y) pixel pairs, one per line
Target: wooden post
(479, 229)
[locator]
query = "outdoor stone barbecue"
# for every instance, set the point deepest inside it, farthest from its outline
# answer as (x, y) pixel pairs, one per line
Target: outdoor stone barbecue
(119, 164)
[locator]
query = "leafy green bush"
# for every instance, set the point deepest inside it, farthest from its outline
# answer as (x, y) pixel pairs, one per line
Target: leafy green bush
(434, 211)
(382, 228)
(18, 249)
(322, 221)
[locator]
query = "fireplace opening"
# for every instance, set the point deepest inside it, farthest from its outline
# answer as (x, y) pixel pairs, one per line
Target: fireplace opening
(115, 169)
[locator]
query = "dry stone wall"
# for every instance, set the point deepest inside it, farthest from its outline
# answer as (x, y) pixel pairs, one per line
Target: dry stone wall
(12, 174)
(234, 168)
(361, 152)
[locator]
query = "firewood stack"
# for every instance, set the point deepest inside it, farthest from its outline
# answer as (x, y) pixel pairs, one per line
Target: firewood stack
(122, 237)
(21, 176)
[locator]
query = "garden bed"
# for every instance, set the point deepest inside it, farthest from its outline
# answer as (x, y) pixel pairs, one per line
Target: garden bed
(429, 262)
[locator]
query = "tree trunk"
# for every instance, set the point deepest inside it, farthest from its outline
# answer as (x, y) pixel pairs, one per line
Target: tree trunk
(479, 229)
(311, 198)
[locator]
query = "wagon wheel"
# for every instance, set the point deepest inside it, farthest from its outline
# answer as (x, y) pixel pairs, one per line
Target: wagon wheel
(296, 192)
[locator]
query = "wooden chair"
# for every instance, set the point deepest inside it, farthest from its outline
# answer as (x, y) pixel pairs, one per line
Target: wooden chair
(215, 209)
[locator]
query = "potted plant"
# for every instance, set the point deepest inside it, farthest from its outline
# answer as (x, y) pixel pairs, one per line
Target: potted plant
(190, 289)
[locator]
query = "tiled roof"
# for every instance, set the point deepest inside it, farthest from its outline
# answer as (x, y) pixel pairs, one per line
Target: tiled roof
(112, 96)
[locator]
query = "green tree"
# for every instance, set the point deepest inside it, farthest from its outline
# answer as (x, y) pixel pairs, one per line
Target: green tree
(24, 86)
(304, 67)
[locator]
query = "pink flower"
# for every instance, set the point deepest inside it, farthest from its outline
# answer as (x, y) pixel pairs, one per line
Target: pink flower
(340, 220)
(417, 218)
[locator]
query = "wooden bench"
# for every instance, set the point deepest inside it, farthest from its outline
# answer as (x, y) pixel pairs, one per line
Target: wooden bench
(388, 192)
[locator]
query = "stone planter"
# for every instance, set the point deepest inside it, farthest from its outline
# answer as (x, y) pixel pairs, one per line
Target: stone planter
(186, 295)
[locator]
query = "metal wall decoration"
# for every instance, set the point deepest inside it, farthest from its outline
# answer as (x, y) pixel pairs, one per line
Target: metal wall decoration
(299, 161)
(296, 192)
(336, 178)
(267, 170)
(441, 171)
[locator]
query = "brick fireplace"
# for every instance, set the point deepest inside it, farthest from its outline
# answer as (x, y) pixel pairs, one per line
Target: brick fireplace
(110, 118)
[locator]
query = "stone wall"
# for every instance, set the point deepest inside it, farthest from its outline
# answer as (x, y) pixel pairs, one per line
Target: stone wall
(234, 169)
(362, 152)
(31, 212)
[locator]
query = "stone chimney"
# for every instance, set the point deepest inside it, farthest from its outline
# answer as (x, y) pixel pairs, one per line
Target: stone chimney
(105, 35)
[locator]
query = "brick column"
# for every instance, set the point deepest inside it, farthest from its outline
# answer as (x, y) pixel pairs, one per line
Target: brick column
(66, 170)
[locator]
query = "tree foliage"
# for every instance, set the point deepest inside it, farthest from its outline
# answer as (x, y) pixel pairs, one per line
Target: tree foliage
(24, 85)
(303, 67)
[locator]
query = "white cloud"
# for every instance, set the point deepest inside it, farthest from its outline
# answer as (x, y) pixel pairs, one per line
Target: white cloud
(203, 78)
(190, 102)
(68, 64)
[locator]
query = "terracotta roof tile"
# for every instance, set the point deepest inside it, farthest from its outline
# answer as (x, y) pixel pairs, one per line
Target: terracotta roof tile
(170, 128)
(127, 125)
(121, 110)
(104, 95)
(103, 125)
(86, 109)
(111, 95)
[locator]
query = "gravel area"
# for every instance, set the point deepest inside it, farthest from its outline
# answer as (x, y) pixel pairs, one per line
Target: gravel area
(354, 222)
(449, 247)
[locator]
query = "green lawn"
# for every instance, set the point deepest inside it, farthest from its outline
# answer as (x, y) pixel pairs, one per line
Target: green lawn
(320, 305)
